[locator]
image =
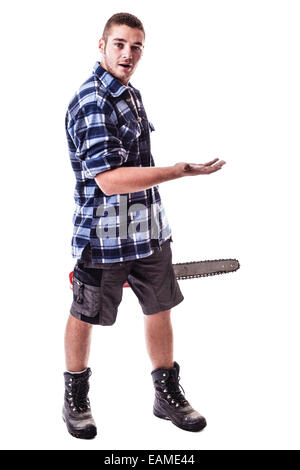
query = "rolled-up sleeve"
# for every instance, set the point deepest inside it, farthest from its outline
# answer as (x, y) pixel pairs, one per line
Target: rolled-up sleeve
(96, 139)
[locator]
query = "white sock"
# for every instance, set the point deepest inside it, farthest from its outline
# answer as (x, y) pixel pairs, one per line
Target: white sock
(76, 372)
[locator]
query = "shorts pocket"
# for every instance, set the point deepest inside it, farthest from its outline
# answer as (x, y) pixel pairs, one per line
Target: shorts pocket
(86, 298)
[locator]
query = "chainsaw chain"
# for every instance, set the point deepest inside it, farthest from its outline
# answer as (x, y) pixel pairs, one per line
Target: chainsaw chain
(194, 276)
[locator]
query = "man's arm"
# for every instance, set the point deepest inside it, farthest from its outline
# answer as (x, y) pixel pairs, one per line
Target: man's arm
(125, 180)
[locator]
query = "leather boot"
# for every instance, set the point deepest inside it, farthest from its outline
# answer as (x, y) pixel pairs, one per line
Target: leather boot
(76, 410)
(171, 404)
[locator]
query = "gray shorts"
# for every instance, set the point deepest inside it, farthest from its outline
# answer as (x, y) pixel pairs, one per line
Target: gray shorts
(98, 288)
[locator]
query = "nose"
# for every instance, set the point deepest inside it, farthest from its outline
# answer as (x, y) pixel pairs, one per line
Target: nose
(127, 53)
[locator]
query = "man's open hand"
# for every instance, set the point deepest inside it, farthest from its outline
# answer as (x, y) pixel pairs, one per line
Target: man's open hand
(193, 169)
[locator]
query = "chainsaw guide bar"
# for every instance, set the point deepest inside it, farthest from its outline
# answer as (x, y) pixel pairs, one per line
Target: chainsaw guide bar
(205, 268)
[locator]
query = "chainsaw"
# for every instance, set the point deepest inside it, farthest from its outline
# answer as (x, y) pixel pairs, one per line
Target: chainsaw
(195, 269)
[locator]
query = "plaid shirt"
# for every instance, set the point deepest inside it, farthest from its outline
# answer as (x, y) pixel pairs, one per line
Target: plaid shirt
(107, 127)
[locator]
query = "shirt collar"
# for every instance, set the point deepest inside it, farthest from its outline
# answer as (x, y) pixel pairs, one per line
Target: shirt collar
(113, 85)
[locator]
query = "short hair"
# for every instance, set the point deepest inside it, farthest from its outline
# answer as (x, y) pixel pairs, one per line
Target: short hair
(122, 18)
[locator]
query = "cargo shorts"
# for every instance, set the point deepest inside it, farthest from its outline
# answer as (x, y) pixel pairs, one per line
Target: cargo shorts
(98, 288)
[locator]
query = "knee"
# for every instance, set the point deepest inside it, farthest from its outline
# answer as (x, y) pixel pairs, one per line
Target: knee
(164, 315)
(78, 324)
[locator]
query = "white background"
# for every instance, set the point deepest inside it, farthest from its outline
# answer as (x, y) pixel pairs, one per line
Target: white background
(218, 79)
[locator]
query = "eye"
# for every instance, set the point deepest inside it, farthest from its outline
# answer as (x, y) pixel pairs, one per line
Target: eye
(118, 44)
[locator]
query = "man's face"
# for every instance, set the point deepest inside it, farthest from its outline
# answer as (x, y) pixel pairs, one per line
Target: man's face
(122, 51)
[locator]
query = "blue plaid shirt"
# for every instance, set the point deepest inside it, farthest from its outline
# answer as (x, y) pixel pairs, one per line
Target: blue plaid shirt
(107, 127)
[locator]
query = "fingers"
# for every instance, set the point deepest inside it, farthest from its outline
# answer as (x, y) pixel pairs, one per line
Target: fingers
(212, 169)
(211, 162)
(203, 169)
(208, 164)
(219, 164)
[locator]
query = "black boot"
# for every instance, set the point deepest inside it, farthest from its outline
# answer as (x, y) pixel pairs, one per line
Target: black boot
(77, 411)
(171, 404)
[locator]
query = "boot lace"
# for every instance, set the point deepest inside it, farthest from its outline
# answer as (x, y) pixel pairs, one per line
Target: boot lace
(175, 390)
(80, 401)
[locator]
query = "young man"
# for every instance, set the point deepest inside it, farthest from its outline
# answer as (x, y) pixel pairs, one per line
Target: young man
(120, 229)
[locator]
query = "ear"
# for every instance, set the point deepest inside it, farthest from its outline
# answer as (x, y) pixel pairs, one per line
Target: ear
(101, 45)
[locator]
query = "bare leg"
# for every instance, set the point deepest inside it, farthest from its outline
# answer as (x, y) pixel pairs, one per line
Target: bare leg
(77, 344)
(159, 339)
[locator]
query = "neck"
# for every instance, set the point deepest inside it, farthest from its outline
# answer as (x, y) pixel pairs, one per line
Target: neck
(107, 70)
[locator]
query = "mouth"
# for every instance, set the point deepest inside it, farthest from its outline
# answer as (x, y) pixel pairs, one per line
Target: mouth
(125, 66)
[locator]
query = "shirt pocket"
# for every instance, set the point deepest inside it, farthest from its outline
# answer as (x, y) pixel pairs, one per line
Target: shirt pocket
(130, 132)
(151, 127)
